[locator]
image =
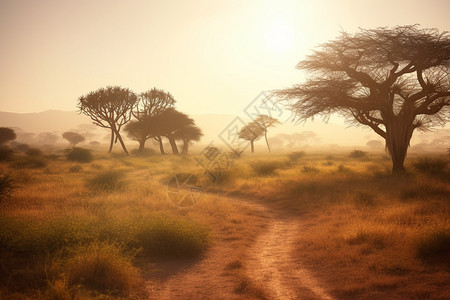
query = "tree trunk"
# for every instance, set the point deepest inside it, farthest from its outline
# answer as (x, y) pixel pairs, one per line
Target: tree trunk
(173, 144)
(122, 143)
(112, 140)
(267, 142)
(161, 146)
(141, 146)
(399, 131)
(252, 146)
(185, 147)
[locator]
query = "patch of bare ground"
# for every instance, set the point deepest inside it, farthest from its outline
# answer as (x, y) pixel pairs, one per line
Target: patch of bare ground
(251, 258)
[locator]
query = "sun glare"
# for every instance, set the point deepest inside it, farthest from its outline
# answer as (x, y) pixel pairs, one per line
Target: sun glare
(279, 37)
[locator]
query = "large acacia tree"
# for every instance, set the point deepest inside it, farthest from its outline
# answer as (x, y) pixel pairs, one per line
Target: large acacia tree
(251, 132)
(394, 80)
(109, 107)
(149, 105)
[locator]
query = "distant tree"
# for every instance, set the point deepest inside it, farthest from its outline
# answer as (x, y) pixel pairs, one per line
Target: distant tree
(265, 122)
(149, 104)
(168, 122)
(375, 144)
(111, 108)
(6, 135)
(73, 138)
(140, 131)
(251, 132)
(187, 134)
(393, 80)
(46, 138)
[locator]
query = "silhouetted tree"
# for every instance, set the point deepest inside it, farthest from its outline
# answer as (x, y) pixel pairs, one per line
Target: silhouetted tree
(265, 122)
(6, 135)
(187, 134)
(140, 131)
(111, 108)
(251, 132)
(150, 104)
(168, 122)
(73, 138)
(393, 80)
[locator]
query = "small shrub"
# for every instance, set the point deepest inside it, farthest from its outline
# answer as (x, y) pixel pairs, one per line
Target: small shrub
(265, 168)
(310, 169)
(328, 163)
(7, 186)
(364, 199)
(434, 244)
(431, 165)
(32, 162)
(423, 191)
(107, 180)
(103, 267)
(33, 152)
(79, 154)
(170, 237)
(295, 156)
(5, 153)
(343, 169)
(75, 169)
(358, 154)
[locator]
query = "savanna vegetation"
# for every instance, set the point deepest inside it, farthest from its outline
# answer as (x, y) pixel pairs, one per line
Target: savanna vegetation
(93, 229)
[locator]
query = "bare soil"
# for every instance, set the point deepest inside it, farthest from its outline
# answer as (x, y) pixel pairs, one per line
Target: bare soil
(254, 262)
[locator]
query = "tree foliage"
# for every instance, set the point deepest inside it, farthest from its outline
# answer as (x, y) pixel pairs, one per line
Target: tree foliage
(111, 108)
(6, 135)
(73, 138)
(187, 134)
(265, 122)
(393, 80)
(251, 132)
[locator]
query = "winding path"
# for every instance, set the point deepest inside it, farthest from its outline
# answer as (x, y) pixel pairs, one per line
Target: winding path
(268, 264)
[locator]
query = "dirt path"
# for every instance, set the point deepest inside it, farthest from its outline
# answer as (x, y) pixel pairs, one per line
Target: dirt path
(267, 264)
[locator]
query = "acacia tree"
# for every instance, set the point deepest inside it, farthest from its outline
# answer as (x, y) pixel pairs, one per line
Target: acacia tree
(109, 107)
(73, 138)
(251, 132)
(187, 134)
(393, 80)
(168, 122)
(140, 131)
(265, 122)
(150, 104)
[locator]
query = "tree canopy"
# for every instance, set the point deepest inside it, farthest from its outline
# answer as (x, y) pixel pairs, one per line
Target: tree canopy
(111, 108)
(6, 135)
(393, 80)
(251, 132)
(73, 138)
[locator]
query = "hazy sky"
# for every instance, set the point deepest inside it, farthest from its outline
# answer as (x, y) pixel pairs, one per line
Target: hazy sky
(213, 56)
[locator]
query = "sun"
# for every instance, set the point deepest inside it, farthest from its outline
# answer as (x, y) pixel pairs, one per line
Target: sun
(279, 37)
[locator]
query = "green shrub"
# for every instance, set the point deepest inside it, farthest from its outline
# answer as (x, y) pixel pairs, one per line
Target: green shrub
(103, 267)
(433, 244)
(265, 168)
(7, 186)
(79, 154)
(295, 156)
(170, 237)
(107, 180)
(357, 154)
(431, 165)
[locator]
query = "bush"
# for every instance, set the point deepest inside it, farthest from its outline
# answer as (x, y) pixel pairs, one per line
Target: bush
(7, 186)
(33, 152)
(169, 237)
(434, 244)
(107, 180)
(310, 169)
(32, 162)
(295, 156)
(264, 168)
(79, 154)
(103, 267)
(5, 153)
(357, 154)
(431, 165)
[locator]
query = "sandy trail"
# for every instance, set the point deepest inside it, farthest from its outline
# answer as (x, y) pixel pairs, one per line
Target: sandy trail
(269, 265)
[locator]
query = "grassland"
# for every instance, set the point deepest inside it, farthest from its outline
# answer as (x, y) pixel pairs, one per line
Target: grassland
(85, 230)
